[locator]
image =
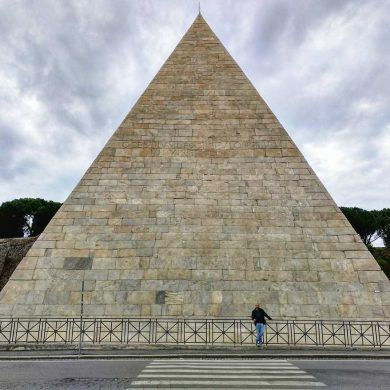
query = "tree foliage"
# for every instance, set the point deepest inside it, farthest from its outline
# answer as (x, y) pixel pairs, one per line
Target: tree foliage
(382, 256)
(26, 216)
(384, 230)
(369, 224)
(366, 223)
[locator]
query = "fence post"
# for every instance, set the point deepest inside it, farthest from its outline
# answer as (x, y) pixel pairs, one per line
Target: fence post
(81, 316)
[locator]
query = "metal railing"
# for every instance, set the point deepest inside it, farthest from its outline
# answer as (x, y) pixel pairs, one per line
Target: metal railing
(222, 331)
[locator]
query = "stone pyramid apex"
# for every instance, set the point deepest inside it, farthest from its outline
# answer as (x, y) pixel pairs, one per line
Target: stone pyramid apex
(200, 204)
(199, 31)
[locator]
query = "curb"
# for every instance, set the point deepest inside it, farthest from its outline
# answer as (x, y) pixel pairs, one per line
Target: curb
(198, 356)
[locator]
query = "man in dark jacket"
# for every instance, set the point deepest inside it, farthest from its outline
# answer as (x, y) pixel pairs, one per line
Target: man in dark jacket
(258, 318)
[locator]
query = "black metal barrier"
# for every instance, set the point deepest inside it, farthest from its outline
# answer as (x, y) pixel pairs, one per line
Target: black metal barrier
(221, 331)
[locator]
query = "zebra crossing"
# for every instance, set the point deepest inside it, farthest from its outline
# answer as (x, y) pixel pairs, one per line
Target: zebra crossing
(218, 374)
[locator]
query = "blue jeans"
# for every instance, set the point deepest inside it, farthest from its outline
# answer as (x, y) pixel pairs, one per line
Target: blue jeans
(260, 330)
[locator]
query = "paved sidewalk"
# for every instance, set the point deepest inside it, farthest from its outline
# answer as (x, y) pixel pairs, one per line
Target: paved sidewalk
(154, 352)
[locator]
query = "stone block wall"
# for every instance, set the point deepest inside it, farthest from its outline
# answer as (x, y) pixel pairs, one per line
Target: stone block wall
(200, 204)
(12, 251)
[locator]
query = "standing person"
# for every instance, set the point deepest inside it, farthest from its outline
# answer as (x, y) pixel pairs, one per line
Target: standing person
(258, 317)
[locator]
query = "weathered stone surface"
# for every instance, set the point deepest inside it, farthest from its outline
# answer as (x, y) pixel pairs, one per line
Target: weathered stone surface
(12, 251)
(160, 297)
(79, 263)
(200, 204)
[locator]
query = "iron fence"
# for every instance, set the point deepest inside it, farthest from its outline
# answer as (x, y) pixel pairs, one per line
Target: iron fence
(223, 331)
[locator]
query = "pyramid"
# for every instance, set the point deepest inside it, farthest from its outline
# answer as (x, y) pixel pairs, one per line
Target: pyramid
(200, 204)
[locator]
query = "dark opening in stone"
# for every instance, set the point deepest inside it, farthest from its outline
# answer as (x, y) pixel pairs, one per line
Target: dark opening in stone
(160, 297)
(78, 263)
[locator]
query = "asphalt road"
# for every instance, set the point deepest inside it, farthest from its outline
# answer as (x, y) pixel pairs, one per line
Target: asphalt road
(349, 374)
(183, 373)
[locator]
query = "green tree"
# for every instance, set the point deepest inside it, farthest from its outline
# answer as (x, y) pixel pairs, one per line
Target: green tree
(382, 256)
(366, 223)
(26, 216)
(384, 230)
(11, 220)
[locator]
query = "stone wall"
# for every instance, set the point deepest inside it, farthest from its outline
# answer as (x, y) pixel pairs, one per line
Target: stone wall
(200, 205)
(12, 251)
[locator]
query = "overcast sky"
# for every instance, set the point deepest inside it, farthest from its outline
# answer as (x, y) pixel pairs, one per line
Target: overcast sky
(71, 70)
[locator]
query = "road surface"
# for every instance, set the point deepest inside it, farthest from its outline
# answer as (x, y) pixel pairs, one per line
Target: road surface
(187, 373)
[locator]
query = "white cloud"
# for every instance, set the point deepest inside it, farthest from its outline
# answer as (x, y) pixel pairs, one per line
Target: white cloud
(349, 175)
(70, 71)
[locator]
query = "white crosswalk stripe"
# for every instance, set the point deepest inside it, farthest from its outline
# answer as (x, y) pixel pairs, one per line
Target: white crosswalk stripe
(218, 374)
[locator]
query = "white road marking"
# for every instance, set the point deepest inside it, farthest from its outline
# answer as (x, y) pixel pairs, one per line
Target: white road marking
(219, 366)
(182, 373)
(248, 364)
(236, 361)
(227, 383)
(229, 371)
(202, 376)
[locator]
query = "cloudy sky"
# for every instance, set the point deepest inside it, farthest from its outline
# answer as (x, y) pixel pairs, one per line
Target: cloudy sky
(71, 70)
